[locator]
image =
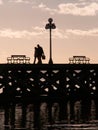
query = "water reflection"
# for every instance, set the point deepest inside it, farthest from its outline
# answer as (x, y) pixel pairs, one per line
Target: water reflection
(61, 115)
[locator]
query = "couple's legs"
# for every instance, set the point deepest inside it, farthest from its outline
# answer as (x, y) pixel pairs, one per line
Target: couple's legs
(34, 60)
(39, 60)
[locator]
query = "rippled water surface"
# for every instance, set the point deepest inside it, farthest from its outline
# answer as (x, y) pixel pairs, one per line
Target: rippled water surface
(79, 115)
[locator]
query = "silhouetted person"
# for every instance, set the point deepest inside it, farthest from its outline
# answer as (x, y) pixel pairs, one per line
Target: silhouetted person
(39, 53)
(35, 54)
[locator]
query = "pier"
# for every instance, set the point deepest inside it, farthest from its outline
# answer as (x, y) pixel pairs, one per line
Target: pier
(63, 93)
(56, 81)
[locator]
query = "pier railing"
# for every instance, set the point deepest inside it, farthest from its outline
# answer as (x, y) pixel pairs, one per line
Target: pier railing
(68, 81)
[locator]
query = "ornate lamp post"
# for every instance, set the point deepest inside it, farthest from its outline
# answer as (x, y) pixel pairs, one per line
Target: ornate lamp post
(50, 26)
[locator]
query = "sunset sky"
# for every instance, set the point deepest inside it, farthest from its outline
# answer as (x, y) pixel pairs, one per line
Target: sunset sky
(22, 27)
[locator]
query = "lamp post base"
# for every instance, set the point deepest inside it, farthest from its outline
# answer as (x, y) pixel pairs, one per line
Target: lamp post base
(50, 61)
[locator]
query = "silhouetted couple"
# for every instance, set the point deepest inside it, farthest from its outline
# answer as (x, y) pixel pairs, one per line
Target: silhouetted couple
(38, 54)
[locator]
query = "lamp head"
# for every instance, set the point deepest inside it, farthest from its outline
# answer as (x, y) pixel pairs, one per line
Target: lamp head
(50, 20)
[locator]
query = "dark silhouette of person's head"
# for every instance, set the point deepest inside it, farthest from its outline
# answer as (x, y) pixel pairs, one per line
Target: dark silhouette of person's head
(38, 45)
